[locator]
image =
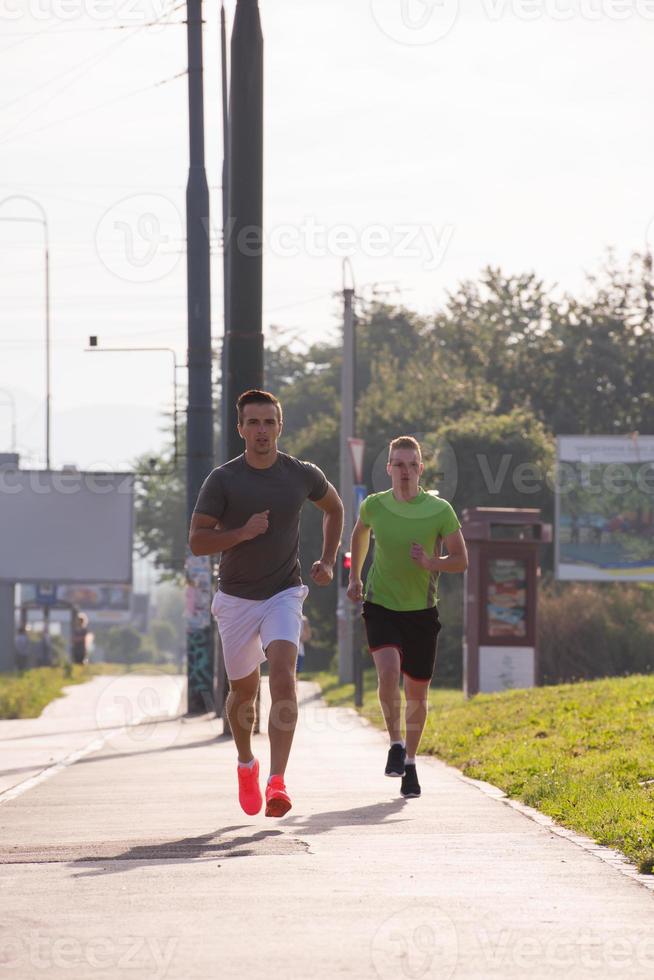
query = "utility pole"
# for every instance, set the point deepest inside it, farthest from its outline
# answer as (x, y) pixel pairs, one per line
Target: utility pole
(243, 357)
(11, 402)
(8, 589)
(243, 225)
(199, 435)
(225, 203)
(344, 609)
(48, 354)
(43, 221)
(221, 683)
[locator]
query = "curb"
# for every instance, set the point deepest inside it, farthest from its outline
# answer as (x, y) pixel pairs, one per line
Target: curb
(608, 855)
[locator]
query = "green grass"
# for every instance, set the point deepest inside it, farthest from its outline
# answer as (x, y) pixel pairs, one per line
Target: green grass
(26, 695)
(581, 753)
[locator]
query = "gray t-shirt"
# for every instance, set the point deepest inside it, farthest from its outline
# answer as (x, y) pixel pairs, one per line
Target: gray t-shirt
(232, 493)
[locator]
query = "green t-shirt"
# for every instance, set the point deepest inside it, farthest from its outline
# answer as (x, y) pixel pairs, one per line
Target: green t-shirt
(395, 581)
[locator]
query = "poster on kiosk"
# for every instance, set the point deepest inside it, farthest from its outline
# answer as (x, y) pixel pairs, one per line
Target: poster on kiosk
(501, 583)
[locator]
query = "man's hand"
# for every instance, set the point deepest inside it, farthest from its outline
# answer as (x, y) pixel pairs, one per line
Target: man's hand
(322, 572)
(258, 524)
(420, 557)
(355, 590)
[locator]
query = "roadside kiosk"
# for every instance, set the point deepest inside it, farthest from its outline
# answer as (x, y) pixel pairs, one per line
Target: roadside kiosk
(501, 590)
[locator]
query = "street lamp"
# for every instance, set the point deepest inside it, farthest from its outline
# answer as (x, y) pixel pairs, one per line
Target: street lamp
(11, 401)
(43, 221)
(93, 348)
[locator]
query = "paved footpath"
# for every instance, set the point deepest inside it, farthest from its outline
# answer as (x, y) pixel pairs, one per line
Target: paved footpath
(135, 861)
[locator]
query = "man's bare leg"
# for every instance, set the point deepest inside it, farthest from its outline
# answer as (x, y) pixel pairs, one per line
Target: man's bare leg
(240, 711)
(387, 662)
(282, 658)
(417, 704)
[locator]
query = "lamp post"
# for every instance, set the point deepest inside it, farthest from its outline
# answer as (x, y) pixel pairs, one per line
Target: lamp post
(199, 414)
(11, 401)
(93, 348)
(43, 221)
(344, 610)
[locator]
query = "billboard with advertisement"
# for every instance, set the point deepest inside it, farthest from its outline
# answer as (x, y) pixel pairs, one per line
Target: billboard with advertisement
(605, 508)
(506, 613)
(96, 597)
(105, 605)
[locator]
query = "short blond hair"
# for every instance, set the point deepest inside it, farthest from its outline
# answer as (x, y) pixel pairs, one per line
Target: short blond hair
(404, 442)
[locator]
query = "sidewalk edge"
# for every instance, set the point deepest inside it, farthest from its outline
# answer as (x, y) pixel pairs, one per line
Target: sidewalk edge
(608, 855)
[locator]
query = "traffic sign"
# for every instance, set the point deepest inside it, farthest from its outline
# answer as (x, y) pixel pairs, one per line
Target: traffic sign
(360, 494)
(357, 450)
(46, 594)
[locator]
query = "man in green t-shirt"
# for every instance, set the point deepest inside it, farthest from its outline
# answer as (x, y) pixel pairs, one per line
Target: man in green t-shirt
(400, 612)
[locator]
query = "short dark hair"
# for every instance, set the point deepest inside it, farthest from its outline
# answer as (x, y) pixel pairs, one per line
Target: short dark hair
(254, 396)
(404, 442)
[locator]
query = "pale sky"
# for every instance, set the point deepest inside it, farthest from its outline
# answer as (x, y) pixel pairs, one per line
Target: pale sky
(424, 140)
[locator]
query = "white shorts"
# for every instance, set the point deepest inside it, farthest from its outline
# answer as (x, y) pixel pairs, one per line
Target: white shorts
(247, 626)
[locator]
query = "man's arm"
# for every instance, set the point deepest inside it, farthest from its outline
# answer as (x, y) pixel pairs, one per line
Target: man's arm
(322, 571)
(359, 545)
(206, 537)
(456, 559)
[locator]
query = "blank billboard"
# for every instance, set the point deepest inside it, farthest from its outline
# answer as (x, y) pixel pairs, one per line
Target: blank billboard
(66, 526)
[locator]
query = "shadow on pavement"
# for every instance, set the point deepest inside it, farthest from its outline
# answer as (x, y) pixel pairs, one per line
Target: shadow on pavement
(361, 816)
(97, 757)
(79, 731)
(212, 845)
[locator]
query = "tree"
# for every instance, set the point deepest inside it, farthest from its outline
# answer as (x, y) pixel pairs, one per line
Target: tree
(160, 506)
(498, 371)
(163, 634)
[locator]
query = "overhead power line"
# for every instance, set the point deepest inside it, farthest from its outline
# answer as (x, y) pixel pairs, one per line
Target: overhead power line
(79, 70)
(103, 105)
(27, 35)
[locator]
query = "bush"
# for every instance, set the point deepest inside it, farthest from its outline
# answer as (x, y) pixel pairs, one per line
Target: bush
(163, 635)
(449, 657)
(150, 652)
(122, 645)
(586, 631)
(60, 654)
(26, 695)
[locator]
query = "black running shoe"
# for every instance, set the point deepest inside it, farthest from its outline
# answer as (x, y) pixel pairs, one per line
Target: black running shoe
(410, 786)
(395, 761)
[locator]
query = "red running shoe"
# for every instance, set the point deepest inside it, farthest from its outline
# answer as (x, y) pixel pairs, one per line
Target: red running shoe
(249, 794)
(278, 802)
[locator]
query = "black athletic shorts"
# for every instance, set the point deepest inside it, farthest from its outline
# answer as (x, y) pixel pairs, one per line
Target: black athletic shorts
(414, 634)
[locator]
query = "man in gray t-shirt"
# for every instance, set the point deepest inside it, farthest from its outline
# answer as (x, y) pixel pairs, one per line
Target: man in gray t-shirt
(265, 565)
(248, 510)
